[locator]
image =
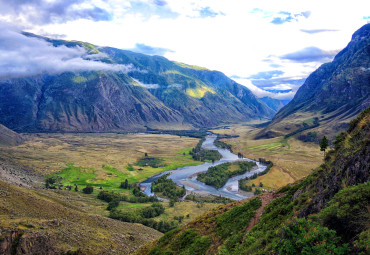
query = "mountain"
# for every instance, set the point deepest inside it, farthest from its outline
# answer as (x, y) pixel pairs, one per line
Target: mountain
(332, 95)
(325, 213)
(153, 93)
(274, 104)
(9, 137)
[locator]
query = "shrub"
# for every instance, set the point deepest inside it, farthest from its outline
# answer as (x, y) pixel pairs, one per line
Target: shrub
(303, 236)
(88, 189)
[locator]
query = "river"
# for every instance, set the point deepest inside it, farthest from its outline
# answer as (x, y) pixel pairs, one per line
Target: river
(186, 176)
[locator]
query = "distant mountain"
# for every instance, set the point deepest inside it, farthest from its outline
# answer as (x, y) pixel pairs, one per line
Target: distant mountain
(9, 137)
(274, 104)
(331, 96)
(154, 93)
(325, 213)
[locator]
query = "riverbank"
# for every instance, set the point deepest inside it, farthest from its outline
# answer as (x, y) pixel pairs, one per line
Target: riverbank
(186, 176)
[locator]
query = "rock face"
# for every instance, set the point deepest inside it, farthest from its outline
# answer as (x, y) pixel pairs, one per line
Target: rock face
(9, 137)
(155, 93)
(335, 93)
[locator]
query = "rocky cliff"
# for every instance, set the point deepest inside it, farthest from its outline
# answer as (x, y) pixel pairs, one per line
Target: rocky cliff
(334, 94)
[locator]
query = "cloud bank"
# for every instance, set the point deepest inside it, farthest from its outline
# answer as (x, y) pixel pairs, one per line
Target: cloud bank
(23, 56)
(310, 54)
(45, 12)
(149, 50)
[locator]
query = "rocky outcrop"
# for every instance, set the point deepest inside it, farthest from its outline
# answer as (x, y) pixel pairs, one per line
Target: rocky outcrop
(334, 94)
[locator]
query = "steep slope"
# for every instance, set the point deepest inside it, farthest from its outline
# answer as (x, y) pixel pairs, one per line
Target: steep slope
(326, 213)
(32, 222)
(274, 104)
(334, 94)
(88, 101)
(153, 93)
(9, 137)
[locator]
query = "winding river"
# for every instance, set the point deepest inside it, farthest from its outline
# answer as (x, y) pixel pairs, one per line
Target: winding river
(187, 175)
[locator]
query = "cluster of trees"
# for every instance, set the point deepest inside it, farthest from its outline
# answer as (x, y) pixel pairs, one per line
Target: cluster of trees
(202, 155)
(217, 176)
(212, 155)
(242, 182)
(145, 216)
(109, 196)
(168, 188)
(126, 185)
(150, 161)
(223, 145)
(53, 182)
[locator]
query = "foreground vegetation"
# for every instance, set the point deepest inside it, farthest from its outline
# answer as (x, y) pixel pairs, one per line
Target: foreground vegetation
(325, 213)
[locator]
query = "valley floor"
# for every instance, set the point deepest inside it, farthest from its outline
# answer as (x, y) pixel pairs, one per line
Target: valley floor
(293, 159)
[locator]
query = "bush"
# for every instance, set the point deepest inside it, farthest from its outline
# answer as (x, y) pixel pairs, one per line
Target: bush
(303, 236)
(88, 189)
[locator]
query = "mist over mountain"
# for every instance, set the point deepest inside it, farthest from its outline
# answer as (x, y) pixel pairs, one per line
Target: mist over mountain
(82, 87)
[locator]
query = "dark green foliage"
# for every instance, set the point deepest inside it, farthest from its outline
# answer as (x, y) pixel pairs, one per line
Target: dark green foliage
(237, 218)
(168, 188)
(190, 133)
(347, 212)
(223, 145)
(303, 236)
(88, 189)
(112, 205)
(242, 182)
(124, 185)
(52, 182)
(188, 242)
(217, 176)
(202, 155)
(109, 196)
(324, 143)
(150, 161)
(144, 216)
(232, 224)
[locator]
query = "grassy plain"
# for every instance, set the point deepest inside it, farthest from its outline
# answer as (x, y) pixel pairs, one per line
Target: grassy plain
(292, 158)
(102, 159)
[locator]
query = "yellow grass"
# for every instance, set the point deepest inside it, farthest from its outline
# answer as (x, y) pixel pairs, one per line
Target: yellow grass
(292, 158)
(48, 153)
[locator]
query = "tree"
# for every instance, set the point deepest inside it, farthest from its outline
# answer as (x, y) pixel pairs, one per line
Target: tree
(324, 143)
(88, 189)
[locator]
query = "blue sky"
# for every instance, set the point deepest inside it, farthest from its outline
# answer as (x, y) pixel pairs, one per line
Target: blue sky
(267, 45)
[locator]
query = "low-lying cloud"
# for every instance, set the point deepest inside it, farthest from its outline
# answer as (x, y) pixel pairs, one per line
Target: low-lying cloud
(46, 12)
(149, 50)
(310, 54)
(24, 56)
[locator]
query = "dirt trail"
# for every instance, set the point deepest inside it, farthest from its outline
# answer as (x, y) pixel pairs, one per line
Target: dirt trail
(266, 198)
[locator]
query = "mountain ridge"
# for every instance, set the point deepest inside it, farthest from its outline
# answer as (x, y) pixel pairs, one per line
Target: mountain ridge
(334, 94)
(153, 93)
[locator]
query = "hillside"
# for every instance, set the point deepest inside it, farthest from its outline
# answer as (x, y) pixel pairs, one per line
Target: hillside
(325, 213)
(9, 137)
(332, 95)
(150, 93)
(37, 222)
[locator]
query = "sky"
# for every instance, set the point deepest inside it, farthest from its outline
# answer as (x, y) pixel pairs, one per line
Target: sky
(269, 46)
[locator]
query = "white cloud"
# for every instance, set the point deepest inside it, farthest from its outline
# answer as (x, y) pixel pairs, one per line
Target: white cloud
(236, 42)
(21, 56)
